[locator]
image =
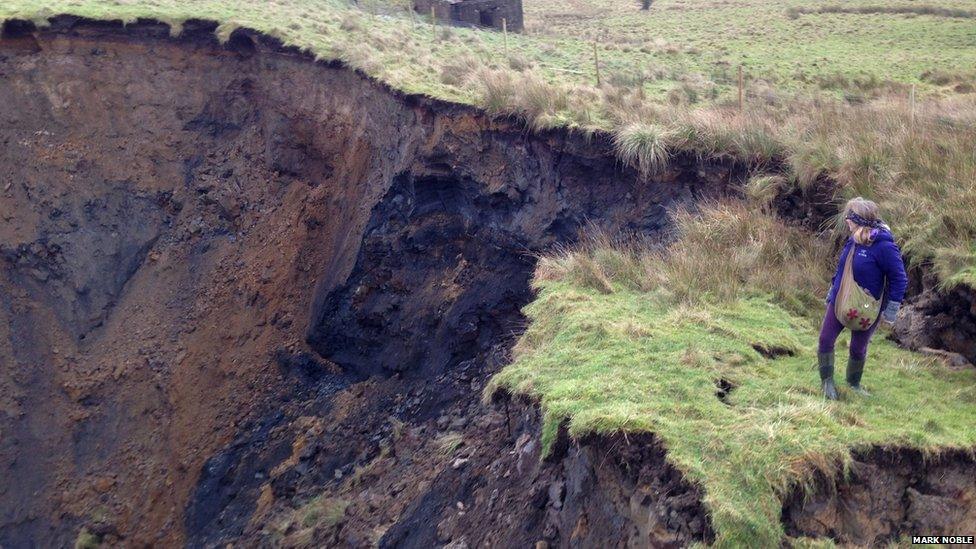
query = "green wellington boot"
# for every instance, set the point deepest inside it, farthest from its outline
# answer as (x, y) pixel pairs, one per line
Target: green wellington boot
(826, 363)
(855, 367)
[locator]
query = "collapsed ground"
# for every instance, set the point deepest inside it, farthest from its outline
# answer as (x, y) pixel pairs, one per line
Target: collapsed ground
(221, 337)
(167, 263)
(624, 339)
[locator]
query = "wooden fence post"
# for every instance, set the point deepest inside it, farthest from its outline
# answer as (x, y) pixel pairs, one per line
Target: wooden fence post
(596, 64)
(640, 81)
(505, 33)
(912, 101)
(433, 20)
(741, 86)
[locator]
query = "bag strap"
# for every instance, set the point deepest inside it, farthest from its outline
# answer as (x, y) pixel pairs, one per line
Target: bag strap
(849, 263)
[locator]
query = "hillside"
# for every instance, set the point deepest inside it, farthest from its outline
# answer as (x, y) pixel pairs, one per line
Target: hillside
(835, 103)
(259, 261)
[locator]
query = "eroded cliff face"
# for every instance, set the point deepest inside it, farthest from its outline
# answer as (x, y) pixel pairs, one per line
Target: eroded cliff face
(235, 279)
(180, 216)
(888, 494)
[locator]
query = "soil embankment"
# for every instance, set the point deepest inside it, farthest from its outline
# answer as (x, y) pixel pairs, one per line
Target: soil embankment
(180, 216)
(235, 278)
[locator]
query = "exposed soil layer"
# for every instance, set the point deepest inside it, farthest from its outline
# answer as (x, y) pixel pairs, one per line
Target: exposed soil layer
(179, 216)
(889, 494)
(236, 280)
(939, 319)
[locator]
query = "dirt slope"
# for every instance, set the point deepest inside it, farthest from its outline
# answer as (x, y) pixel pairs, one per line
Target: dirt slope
(179, 215)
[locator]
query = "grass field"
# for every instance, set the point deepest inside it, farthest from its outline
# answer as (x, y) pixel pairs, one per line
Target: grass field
(645, 341)
(677, 44)
(668, 83)
(769, 39)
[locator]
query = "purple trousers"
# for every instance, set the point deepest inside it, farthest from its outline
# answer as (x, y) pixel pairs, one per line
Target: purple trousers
(832, 328)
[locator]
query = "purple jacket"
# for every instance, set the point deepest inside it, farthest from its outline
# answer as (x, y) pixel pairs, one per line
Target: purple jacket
(873, 265)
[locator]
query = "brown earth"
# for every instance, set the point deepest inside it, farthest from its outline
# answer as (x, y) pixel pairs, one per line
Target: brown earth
(235, 280)
(939, 320)
(888, 494)
(179, 215)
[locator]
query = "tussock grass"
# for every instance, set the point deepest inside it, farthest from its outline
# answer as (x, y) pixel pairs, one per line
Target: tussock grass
(322, 512)
(539, 101)
(449, 443)
(763, 189)
(721, 254)
(756, 251)
(725, 133)
(936, 11)
(318, 514)
(496, 89)
(628, 337)
(645, 147)
(87, 540)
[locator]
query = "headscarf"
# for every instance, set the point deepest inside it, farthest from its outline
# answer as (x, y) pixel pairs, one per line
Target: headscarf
(864, 222)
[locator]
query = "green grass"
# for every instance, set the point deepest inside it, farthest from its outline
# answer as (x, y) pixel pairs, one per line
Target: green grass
(679, 44)
(87, 540)
(614, 344)
(623, 361)
(322, 512)
(714, 37)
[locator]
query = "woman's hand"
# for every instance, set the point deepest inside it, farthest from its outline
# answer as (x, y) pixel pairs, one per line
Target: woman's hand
(890, 313)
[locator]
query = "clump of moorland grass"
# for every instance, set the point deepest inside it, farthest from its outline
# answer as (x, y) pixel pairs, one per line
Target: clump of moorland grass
(748, 137)
(537, 102)
(449, 443)
(762, 189)
(496, 89)
(961, 81)
(643, 146)
(937, 11)
(722, 253)
(540, 101)
(730, 250)
(87, 540)
(457, 71)
(322, 512)
(317, 515)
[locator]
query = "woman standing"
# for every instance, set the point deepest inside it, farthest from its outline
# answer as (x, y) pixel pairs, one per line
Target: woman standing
(879, 269)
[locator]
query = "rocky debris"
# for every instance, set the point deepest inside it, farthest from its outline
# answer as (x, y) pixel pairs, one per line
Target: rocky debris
(952, 360)
(940, 319)
(889, 494)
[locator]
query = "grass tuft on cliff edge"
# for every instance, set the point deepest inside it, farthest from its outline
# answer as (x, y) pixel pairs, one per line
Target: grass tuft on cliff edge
(637, 339)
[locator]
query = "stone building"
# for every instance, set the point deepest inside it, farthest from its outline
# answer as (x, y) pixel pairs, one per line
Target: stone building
(478, 13)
